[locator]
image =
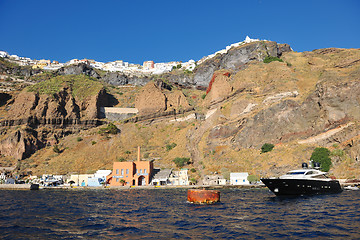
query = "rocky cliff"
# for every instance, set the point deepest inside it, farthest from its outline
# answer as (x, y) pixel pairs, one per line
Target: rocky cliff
(237, 104)
(71, 102)
(236, 58)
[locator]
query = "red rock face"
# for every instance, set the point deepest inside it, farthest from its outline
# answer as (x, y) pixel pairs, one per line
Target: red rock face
(203, 196)
(216, 74)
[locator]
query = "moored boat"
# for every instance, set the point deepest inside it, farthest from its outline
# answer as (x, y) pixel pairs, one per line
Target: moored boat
(305, 181)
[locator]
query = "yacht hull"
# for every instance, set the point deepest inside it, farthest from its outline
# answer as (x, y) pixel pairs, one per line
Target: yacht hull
(283, 187)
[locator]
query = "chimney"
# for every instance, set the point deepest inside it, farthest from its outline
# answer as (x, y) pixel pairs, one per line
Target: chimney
(138, 156)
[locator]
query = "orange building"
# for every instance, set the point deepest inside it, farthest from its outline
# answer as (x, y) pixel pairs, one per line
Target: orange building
(132, 173)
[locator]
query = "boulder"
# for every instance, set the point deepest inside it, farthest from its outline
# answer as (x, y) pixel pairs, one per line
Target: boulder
(77, 69)
(150, 100)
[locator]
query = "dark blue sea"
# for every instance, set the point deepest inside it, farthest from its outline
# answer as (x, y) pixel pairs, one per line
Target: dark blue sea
(165, 214)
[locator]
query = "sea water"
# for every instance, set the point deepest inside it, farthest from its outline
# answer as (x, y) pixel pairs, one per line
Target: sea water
(165, 214)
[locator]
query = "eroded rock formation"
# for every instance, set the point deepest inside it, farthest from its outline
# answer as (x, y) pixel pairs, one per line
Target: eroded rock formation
(155, 98)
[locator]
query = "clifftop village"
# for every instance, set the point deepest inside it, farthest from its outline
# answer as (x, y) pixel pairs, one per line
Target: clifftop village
(124, 174)
(147, 68)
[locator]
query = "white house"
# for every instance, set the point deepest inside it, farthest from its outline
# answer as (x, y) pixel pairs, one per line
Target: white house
(214, 180)
(161, 177)
(102, 174)
(4, 54)
(239, 178)
(179, 177)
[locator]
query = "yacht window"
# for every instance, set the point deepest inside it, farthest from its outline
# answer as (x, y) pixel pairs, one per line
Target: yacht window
(309, 172)
(319, 176)
(295, 173)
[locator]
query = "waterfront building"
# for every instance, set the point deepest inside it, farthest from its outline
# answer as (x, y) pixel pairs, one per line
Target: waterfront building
(214, 180)
(2, 176)
(161, 177)
(179, 177)
(9, 181)
(131, 173)
(80, 179)
(239, 178)
(98, 178)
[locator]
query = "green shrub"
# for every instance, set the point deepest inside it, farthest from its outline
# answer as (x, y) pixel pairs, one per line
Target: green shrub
(79, 139)
(252, 178)
(180, 162)
(121, 159)
(269, 59)
(127, 152)
(93, 142)
(146, 155)
(267, 147)
(193, 180)
(170, 146)
(203, 96)
(321, 155)
(110, 129)
(193, 170)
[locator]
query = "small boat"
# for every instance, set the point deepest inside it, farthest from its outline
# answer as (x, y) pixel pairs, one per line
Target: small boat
(305, 181)
(34, 186)
(354, 188)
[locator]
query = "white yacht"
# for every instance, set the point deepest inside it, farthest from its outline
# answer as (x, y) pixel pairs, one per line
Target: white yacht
(303, 181)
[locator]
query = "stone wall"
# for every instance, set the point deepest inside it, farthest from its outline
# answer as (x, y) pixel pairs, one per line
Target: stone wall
(117, 114)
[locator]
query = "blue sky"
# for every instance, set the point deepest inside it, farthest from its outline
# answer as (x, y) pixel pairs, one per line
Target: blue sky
(163, 31)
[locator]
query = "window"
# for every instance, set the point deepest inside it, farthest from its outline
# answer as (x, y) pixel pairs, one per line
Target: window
(140, 171)
(295, 173)
(117, 171)
(127, 171)
(144, 170)
(122, 172)
(117, 179)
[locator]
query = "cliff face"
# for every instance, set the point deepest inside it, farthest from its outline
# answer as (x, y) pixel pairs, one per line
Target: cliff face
(13, 69)
(20, 143)
(77, 69)
(236, 58)
(58, 104)
(327, 108)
